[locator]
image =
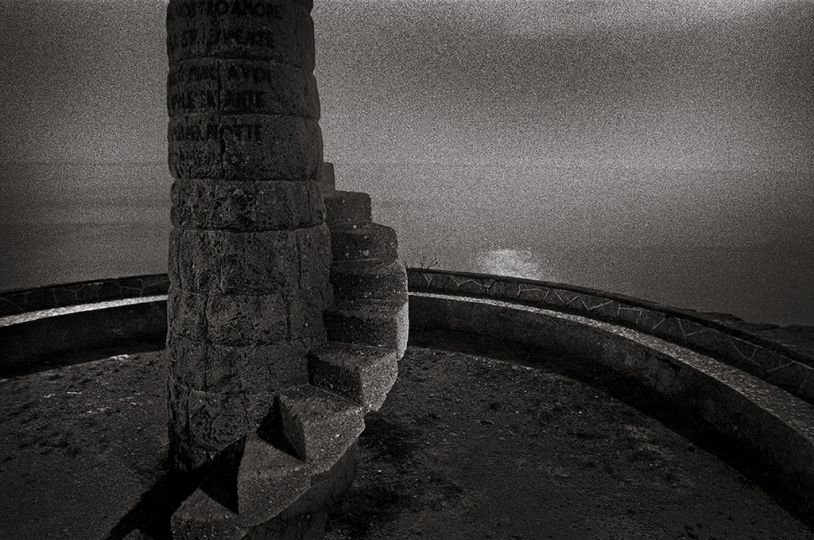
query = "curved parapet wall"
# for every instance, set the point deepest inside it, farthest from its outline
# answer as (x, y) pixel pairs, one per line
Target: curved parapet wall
(29, 341)
(775, 425)
(771, 361)
(16, 301)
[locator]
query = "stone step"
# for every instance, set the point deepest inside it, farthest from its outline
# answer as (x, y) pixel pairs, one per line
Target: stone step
(380, 324)
(369, 281)
(347, 209)
(372, 241)
(319, 425)
(268, 481)
(360, 373)
(327, 178)
(201, 516)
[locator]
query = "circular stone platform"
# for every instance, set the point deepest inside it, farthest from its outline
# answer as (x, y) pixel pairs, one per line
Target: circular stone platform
(466, 446)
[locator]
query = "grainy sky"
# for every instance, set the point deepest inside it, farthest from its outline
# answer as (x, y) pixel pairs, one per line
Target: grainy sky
(715, 83)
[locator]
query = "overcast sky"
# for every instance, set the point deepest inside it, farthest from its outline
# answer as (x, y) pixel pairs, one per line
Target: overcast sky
(726, 83)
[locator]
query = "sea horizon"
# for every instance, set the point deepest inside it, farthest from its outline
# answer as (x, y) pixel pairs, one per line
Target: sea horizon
(659, 234)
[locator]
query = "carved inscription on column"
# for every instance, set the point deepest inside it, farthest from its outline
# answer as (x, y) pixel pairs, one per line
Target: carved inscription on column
(249, 251)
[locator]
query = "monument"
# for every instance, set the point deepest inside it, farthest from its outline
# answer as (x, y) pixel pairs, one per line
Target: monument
(259, 399)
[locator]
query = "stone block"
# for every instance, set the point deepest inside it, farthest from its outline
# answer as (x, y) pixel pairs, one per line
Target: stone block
(230, 262)
(268, 481)
(275, 30)
(193, 86)
(201, 516)
(364, 243)
(249, 319)
(195, 147)
(630, 316)
(213, 421)
(505, 290)
(244, 147)
(369, 281)
(789, 376)
(539, 296)
(671, 330)
(305, 322)
(365, 323)
(623, 355)
(188, 361)
(327, 179)
(270, 147)
(256, 368)
(313, 246)
(228, 369)
(650, 319)
(320, 425)
(327, 489)
(246, 205)
(428, 312)
(173, 268)
(362, 374)
(347, 209)
(260, 86)
(186, 313)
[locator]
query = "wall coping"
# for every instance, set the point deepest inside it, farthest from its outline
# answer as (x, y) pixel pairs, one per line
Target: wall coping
(691, 315)
(755, 354)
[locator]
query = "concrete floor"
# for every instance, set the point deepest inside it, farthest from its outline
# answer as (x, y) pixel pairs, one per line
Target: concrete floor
(465, 447)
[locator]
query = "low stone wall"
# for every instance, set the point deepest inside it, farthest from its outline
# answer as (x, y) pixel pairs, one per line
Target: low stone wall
(28, 340)
(17, 301)
(733, 387)
(771, 361)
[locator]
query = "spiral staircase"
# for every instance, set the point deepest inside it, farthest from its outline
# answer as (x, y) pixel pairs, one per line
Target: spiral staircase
(300, 459)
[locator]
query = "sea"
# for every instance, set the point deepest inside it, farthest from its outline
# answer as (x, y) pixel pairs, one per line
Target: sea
(721, 240)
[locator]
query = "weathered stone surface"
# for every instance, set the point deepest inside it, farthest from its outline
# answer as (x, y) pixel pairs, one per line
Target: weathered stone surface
(195, 147)
(249, 253)
(274, 30)
(319, 425)
(173, 269)
(327, 179)
(347, 209)
(253, 368)
(241, 86)
(247, 319)
(372, 241)
(244, 147)
(201, 516)
(267, 87)
(307, 516)
(359, 373)
(187, 313)
(269, 480)
(369, 281)
(211, 420)
(193, 86)
(313, 245)
(276, 147)
(85, 292)
(367, 323)
(249, 206)
(187, 361)
(261, 262)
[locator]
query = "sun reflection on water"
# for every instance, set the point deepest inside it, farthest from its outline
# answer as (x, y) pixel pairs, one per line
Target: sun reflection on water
(513, 262)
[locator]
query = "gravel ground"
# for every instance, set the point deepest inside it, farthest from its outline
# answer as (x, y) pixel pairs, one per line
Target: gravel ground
(472, 447)
(465, 447)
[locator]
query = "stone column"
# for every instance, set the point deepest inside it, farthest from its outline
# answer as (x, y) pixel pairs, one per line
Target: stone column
(249, 252)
